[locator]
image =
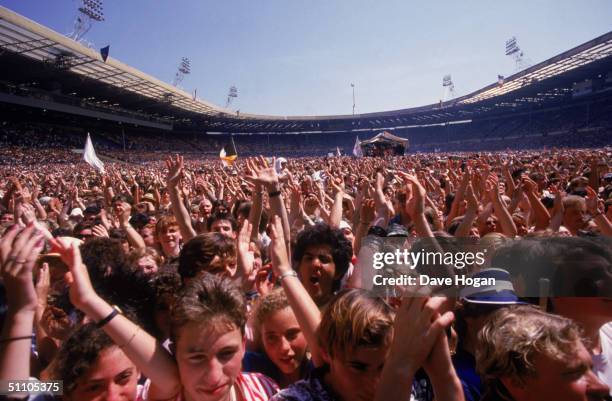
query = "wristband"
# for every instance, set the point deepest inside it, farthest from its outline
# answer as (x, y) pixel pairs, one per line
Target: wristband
(8, 340)
(274, 194)
(288, 273)
(108, 318)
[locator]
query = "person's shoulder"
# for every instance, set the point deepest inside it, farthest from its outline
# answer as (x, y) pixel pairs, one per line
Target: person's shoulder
(256, 386)
(605, 334)
(304, 390)
(606, 329)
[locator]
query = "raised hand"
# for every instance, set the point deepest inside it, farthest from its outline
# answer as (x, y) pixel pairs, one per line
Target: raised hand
(470, 197)
(264, 280)
(28, 214)
(18, 253)
(337, 185)
(100, 231)
(175, 170)
(81, 292)
(263, 174)
(592, 201)
(416, 204)
(529, 185)
(418, 324)
(492, 187)
(367, 212)
(558, 203)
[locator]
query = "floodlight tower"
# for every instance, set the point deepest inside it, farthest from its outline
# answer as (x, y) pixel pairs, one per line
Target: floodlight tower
(184, 68)
(88, 12)
(232, 94)
(513, 50)
(449, 87)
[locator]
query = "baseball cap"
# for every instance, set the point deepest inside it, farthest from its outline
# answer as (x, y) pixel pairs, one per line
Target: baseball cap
(500, 293)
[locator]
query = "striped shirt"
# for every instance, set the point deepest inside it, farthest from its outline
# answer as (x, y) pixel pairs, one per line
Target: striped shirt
(248, 386)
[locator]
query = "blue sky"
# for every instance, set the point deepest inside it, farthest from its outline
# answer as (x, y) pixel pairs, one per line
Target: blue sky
(290, 57)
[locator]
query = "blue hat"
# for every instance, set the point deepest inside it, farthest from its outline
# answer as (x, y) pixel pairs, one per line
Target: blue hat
(500, 293)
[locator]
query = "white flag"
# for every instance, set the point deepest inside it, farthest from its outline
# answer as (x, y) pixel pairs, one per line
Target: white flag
(357, 148)
(338, 151)
(89, 154)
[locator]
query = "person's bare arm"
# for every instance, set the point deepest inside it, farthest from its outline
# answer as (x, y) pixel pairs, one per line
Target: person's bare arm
(415, 206)
(143, 349)
(499, 209)
(454, 212)
(306, 311)
(470, 216)
(183, 219)
(383, 208)
(41, 213)
(558, 210)
(336, 212)
(134, 238)
(266, 176)
(510, 186)
(18, 253)
(540, 213)
(256, 207)
(597, 212)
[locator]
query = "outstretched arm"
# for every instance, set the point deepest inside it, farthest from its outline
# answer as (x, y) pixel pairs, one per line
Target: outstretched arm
(597, 213)
(266, 176)
(142, 348)
(306, 311)
(175, 172)
(18, 253)
(499, 208)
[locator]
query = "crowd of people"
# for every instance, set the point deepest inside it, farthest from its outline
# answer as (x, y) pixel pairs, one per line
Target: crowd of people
(187, 279)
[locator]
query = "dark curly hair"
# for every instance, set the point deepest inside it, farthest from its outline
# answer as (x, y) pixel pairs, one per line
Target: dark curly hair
(103, 258)
(323, 234)
(210, 299)
(78, 354)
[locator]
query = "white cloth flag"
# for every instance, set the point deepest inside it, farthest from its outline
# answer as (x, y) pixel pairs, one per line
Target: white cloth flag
(357, 148)
(89, 154)
(338, 151)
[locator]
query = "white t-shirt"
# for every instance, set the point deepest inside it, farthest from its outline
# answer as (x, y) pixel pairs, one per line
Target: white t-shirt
(602, 363)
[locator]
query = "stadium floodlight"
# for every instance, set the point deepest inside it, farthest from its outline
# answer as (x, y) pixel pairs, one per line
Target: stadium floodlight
(511, 46)
(184, 68)
(513, 50)
(449, 87)
(232, 94)
(88, 12)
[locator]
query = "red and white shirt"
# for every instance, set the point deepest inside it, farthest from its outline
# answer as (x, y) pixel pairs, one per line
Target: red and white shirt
(247, 387)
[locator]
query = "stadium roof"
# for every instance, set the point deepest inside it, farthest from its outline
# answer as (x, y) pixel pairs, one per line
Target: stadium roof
(23, 36)
(112, 82)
